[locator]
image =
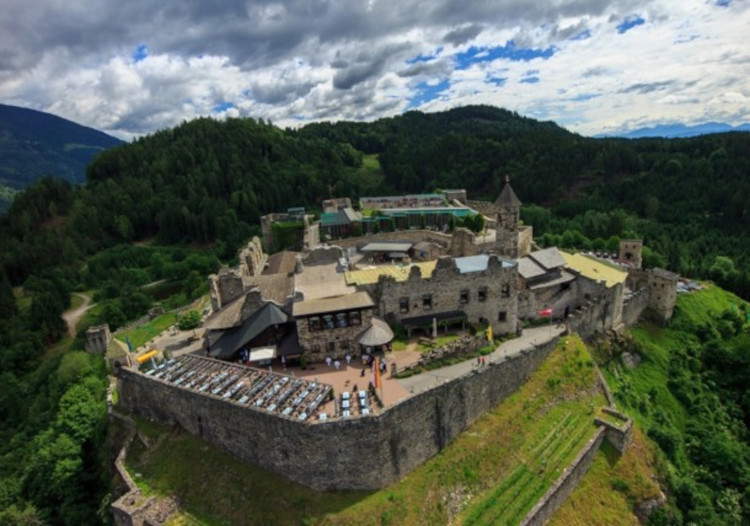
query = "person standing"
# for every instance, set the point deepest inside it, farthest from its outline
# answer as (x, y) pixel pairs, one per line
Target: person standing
(348, 358)
(337, 364)
(328, 361)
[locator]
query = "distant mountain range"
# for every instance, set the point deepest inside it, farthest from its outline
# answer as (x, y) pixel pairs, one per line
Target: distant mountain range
(679, 130)
(34, 144)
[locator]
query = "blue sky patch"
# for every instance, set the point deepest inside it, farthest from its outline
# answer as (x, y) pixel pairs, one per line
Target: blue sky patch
(222, 106)
(723, 3)
(510, 51)
(425, 58)
(629, 23)
(530, 80)
(585, 96)
(497, 81)
(140, 53)
(583, 35)
(426, 92)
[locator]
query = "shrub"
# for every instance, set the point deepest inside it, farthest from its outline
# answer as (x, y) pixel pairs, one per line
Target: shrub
(189, 320)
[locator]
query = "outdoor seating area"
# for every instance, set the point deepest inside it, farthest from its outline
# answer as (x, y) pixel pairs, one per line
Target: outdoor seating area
(288, 396)
(355, 403)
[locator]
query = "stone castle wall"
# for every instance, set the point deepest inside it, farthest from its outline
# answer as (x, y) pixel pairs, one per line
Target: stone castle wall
(566, 483)
(445, 288)
(366, 452)
(634, 306)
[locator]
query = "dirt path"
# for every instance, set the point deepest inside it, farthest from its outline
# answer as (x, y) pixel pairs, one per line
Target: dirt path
(73, 316)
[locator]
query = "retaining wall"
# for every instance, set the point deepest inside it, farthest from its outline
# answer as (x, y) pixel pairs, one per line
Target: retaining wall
(634, 306)
(365, 452)
(566, 483)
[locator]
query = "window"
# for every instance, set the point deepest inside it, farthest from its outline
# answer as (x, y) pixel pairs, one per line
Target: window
(427, 302)
(464, 297)
(331, 347)
(502, 316)
(505, 292)
(482, 294)
(313, 324)
(328, 321)
(355, 318)
(403, 305)
(342, 320)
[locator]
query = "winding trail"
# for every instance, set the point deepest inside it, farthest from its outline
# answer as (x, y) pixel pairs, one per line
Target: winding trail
(73, 316)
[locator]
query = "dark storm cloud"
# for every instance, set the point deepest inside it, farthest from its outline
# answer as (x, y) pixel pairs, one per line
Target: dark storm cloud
(463, 34)
(441, 67)
(367, 65)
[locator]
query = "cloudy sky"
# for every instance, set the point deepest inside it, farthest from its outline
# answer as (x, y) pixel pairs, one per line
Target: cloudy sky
(130, 67)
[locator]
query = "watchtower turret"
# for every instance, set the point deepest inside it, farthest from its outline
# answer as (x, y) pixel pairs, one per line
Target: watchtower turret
(508, 220)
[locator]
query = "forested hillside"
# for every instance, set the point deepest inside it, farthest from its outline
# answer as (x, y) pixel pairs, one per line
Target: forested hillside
(35, 144)
(191, 195)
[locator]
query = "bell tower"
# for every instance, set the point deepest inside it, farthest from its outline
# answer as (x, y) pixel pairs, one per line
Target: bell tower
(508, 219)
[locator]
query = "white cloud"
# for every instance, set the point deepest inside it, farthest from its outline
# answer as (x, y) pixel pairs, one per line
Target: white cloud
(294, 62)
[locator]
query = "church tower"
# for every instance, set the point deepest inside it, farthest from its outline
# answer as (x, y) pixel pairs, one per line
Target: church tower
(508, 220)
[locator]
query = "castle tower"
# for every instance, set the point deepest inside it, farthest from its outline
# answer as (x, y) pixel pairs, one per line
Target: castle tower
(662, 286)
(508, 219)
(631, 252)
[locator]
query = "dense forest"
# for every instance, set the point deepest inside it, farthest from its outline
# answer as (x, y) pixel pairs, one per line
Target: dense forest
(172, 205)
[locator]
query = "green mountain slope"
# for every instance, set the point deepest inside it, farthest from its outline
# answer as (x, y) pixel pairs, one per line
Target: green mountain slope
(690, 395)
(34, 144)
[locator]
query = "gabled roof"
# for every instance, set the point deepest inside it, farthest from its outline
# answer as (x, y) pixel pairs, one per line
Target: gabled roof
(229, 342)
(508, 198)
(357, 300)
(549, 258)
(281, 263)
(593, 269)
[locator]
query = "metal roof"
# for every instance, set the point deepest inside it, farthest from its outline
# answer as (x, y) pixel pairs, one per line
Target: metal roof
(593, 269)
(357, 300)
(476, 263)
(548, 258)
(529, 269)
(369, 276)
(229, 342)
(386, 247)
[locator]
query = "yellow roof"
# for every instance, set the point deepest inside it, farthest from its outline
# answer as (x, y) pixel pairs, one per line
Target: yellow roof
(593, 269)
(399, 272)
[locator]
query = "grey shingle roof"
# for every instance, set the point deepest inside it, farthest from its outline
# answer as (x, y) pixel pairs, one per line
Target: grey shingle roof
(508, 198)
(231, 341)
(548, 258)
(357, 300)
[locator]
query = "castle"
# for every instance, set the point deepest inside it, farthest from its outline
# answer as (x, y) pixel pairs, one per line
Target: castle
(348, 298)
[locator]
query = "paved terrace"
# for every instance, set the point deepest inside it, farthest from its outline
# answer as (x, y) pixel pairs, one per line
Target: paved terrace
(530, 337)
(287, 396)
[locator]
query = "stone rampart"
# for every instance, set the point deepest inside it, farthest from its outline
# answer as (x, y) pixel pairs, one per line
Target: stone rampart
(566, 482)
(366, 452)
(633, 306)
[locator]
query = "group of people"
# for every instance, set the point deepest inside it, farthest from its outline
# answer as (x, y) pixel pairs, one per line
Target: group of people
(481, 361)
(337, 363)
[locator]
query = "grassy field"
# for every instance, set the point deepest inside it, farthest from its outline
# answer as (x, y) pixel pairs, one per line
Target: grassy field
(607, 493)
(140, 335)
(515, 449)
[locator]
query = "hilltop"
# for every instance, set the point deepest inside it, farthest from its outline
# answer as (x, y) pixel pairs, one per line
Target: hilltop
(34, 144)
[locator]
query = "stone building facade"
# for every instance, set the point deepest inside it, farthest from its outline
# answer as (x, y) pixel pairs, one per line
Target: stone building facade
(631, 251)
(332, 326)
(483, 288)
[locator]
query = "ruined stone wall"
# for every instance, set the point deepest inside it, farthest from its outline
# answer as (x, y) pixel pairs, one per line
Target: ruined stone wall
(366, 452)
(525, 239)
(634, 306)
(445, 287)
(252, 258)
(565, 484)
(225, 287)
(323, 255)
